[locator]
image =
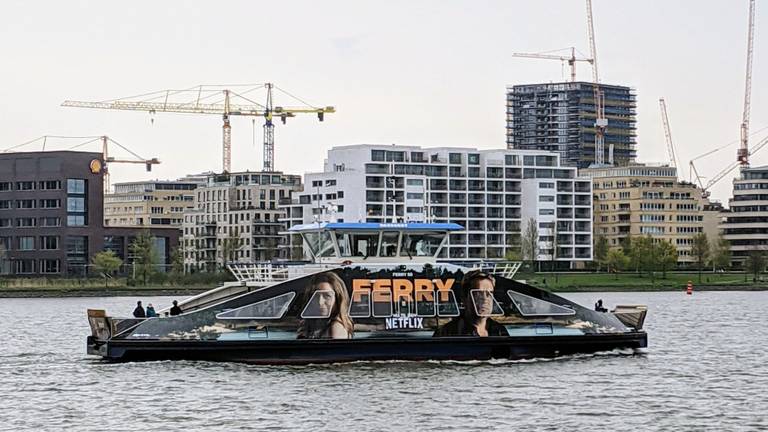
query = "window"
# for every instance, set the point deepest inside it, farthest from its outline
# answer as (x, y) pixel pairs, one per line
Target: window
(50, 203)
(26, 243)
(50, 185)
(272, 308)
(25, 204)
(49, 242)
(340, 194)
(546, 212)
(454, 158)
(25, 185)
(26, 222)
(484, 303)
(530, 306)
(6, 204)
(546, 198)
(5, 222)
(75, 186)
(49, 266)
(5, 186)
(75, 220)
(421, 244)
(473, 159)
(414, 182)
(25, 266)
(75, 204)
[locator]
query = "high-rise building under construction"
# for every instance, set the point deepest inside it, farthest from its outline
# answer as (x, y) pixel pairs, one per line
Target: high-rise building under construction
(560, 117)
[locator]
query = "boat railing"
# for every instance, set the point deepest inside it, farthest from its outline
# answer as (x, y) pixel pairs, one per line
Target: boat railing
(269, 273)
(505, 269)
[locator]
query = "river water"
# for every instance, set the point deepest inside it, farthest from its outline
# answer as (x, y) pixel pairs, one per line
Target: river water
(705, 369)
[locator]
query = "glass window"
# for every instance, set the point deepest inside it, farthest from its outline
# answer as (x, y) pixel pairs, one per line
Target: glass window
(76, 186)
(389, 243)
(49, 242)
(320, 304)
(421, 244)
(484, 303)
(320, 243)
(382, 303)
(76, 204)
(530, 306)
(362, 244)
(446, 304)
(272, 308)
(26, 243)
(74, 220)
(360, 303)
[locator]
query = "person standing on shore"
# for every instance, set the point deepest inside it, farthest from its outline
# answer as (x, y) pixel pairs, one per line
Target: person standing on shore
(151, 311)
(175, 310)
(139, 311)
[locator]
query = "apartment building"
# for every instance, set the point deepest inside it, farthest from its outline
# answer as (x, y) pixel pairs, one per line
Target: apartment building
(492, 193)
(149, 203)
(745, 225)
(640, 199)
(560, 117)
(237, 217)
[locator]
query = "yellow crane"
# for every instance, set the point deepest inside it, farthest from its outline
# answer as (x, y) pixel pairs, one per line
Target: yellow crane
(223, 100)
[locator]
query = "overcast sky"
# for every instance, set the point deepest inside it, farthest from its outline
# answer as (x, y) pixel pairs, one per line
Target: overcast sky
(428, 73)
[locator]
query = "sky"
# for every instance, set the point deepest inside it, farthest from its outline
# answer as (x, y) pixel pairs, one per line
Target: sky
(426, 73)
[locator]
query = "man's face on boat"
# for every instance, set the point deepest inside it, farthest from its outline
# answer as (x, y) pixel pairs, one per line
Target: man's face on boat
(482, 296)
(325, 298)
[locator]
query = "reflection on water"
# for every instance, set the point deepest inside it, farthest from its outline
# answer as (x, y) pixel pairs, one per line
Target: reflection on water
(705, 369)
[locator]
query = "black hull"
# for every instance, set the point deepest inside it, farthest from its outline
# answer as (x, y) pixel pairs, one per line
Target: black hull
(333, 351)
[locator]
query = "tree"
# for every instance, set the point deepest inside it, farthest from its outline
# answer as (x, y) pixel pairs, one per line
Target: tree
(665, 256)
(177, 261)
(755, 263)
(616, 261)
(106, 263)
(700, 250)
(554, 245)
(230, 247)
(721, 253)
(144, 256)
(601, 250)
(530, 242)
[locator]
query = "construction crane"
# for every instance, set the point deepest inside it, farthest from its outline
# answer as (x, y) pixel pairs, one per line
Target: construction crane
(223, 100)
(108, 160)
(727, 170)
(742, 155)
(668, 134)
(601, 123)
(547, 56)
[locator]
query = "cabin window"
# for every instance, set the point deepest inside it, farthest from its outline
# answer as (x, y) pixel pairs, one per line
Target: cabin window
(382, 303)
(389, 242)
(425, 302)
(320, 305)
(360, 303)
(446, 304)
(272, 308)
(422, 244)
(320, 243)
(530, 306)
(484, 303)
(357, 244)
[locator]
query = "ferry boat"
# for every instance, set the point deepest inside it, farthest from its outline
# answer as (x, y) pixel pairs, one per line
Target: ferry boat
(374, 291)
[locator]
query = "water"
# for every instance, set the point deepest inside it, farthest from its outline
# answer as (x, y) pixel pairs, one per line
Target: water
(705, 369)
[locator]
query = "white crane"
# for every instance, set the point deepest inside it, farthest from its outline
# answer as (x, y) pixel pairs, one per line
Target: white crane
(600, 121)
(742, 155)
(572, 59)
(668, 134)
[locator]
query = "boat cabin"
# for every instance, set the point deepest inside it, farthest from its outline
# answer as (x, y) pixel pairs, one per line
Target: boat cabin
(374, 242)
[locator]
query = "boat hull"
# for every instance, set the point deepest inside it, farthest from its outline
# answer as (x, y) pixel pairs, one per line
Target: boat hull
(373, 349)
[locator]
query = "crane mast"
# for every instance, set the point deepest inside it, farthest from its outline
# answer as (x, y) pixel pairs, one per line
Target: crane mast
(668, 133)
(600, 121)
(742, 155)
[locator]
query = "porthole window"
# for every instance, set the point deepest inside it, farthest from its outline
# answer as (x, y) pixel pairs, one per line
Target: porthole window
(530, 306)
(272, 308)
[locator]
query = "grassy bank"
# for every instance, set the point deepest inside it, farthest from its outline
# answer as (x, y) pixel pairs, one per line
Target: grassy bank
(633, 282)
(54, 287)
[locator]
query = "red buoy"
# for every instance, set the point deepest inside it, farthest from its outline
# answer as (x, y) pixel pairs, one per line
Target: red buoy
(689, 289)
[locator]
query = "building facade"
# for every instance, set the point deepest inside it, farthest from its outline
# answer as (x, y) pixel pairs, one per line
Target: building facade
(237, 217)
(745, 225)
(492, 193)
(149, 204)
(51, 215)
(560, 117)
(640, 200)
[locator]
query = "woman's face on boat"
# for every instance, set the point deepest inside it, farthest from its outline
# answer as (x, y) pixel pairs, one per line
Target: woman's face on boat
(326, 298)
(482, 295)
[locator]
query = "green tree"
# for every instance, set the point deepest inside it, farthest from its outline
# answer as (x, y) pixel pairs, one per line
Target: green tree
(230, 246)
(144, 256)
(616, 261)
(601, 251)
(755, 263)
(721, 253)
(106, 263)
(665, 256)
(530, 242)
(177, 261)
(700, 250)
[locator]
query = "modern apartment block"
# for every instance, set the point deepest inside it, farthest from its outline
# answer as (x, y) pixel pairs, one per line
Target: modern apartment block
(236, 217)
(560, 117)
(149, 203)
(492, 193)
(51, 215)
(639, 200)
(745, 225)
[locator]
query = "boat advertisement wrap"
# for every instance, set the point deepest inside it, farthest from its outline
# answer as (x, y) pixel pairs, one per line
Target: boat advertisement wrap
(369, 301)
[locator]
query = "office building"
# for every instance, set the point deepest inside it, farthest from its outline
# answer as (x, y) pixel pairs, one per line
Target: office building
(745, 225)
(149, 203)
(560, 117)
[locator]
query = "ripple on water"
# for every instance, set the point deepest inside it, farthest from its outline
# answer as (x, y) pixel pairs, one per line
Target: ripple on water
(705, 369)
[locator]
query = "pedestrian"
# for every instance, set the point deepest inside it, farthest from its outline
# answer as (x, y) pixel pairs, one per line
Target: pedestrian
(599, 306)
(175, 310)
(139, 311)
(151, 311)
